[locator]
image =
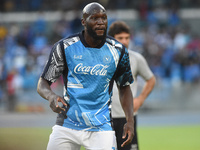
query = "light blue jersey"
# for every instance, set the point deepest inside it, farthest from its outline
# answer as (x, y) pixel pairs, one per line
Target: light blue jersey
(88, 75)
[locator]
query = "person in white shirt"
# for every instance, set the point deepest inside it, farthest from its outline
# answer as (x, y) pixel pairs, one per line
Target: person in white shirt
(139, 67)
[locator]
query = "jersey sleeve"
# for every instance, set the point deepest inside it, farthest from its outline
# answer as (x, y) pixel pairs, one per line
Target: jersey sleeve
(123, 74)
(55, 64)
(143, 68)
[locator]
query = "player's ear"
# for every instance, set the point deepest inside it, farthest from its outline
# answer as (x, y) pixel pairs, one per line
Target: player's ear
(83, 21)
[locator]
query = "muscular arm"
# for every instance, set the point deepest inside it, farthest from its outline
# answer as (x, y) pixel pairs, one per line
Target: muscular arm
(127, 105)
(148, 87)
(44, 90)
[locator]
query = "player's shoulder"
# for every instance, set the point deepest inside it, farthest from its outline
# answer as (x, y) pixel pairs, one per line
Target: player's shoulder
(114, 43)
(69, 40)
(135, 54)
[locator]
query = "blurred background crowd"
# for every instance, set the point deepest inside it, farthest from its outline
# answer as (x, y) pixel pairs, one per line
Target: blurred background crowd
(168, 37)
(65, 5)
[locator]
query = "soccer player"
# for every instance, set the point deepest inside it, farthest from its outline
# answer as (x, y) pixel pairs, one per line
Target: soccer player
(139, 67)
(89, 63)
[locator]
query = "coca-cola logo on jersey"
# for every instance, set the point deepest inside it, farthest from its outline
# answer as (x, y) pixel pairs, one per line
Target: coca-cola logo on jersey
(98, 69)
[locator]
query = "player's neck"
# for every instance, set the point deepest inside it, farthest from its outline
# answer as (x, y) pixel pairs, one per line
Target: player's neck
(91, 41)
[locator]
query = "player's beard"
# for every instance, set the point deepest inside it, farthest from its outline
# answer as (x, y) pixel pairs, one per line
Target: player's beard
(93, 34)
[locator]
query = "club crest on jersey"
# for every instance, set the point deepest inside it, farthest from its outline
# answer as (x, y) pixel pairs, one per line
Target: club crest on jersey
(106, 59)
(98, 69)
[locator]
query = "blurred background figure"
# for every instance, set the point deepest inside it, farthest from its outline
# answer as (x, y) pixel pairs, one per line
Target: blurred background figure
(139, 67)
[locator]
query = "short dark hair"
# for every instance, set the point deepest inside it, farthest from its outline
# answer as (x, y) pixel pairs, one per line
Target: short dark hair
(118, 27)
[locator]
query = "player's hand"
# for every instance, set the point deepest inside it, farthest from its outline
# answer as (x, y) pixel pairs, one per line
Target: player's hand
(54, 103)
(137, 103)
(128, 132)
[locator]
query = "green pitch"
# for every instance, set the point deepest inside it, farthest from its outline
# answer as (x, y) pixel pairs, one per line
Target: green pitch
(150, 138)
(169, 138)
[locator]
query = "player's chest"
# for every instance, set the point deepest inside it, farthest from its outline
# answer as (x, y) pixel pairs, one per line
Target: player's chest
(90, 61)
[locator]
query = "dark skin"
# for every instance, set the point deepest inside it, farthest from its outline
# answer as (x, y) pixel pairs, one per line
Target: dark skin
(94, 18)
(95, 25)
(125, 96)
